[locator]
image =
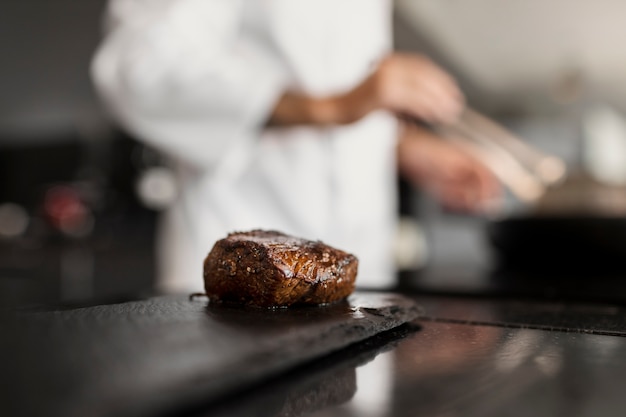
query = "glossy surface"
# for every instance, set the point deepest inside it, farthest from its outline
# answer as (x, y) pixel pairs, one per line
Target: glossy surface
(450, 369)
(597, 318)
(318, 385)
(462, 370)
(465, 357)
(149, 357)
(272, 269)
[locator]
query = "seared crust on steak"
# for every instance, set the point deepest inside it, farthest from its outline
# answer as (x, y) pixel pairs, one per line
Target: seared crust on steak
(272, 269)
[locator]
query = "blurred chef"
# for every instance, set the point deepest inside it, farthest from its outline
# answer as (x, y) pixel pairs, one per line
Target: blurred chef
(281, 114)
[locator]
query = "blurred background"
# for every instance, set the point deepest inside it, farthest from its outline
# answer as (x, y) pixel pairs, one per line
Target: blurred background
(72, 226)
(79, 198)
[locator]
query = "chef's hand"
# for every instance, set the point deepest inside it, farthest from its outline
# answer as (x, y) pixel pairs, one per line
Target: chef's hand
(405, 84)
(413, 85)
(457, 179)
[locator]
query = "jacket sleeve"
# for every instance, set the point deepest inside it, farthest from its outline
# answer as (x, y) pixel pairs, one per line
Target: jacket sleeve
(183, 76)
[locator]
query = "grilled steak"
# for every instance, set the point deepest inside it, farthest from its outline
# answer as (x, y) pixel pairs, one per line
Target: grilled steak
(271, 269)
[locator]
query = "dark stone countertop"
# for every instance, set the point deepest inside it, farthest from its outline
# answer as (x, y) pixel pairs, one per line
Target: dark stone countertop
(470, 356)
(469, 353)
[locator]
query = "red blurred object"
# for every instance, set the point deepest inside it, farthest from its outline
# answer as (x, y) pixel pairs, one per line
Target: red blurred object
(65, 210)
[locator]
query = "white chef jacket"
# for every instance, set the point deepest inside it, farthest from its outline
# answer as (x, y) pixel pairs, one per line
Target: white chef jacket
(198, 79)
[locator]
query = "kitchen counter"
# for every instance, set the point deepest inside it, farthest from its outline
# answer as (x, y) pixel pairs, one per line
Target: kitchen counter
(464, 356)
(165, 353)
(467, 357)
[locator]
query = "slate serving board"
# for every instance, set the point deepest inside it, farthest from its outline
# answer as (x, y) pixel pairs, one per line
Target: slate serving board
(149, 357)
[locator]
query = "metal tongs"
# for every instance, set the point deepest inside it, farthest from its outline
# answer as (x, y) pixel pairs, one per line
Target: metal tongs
(526, 171)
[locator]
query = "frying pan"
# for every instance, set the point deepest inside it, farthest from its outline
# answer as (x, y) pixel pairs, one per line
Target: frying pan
(564, 244)
(572, 222)
(579, 225)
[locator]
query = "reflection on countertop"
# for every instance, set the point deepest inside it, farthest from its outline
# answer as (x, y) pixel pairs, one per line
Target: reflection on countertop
(465, 356)
(511, 363)
(452, 369)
